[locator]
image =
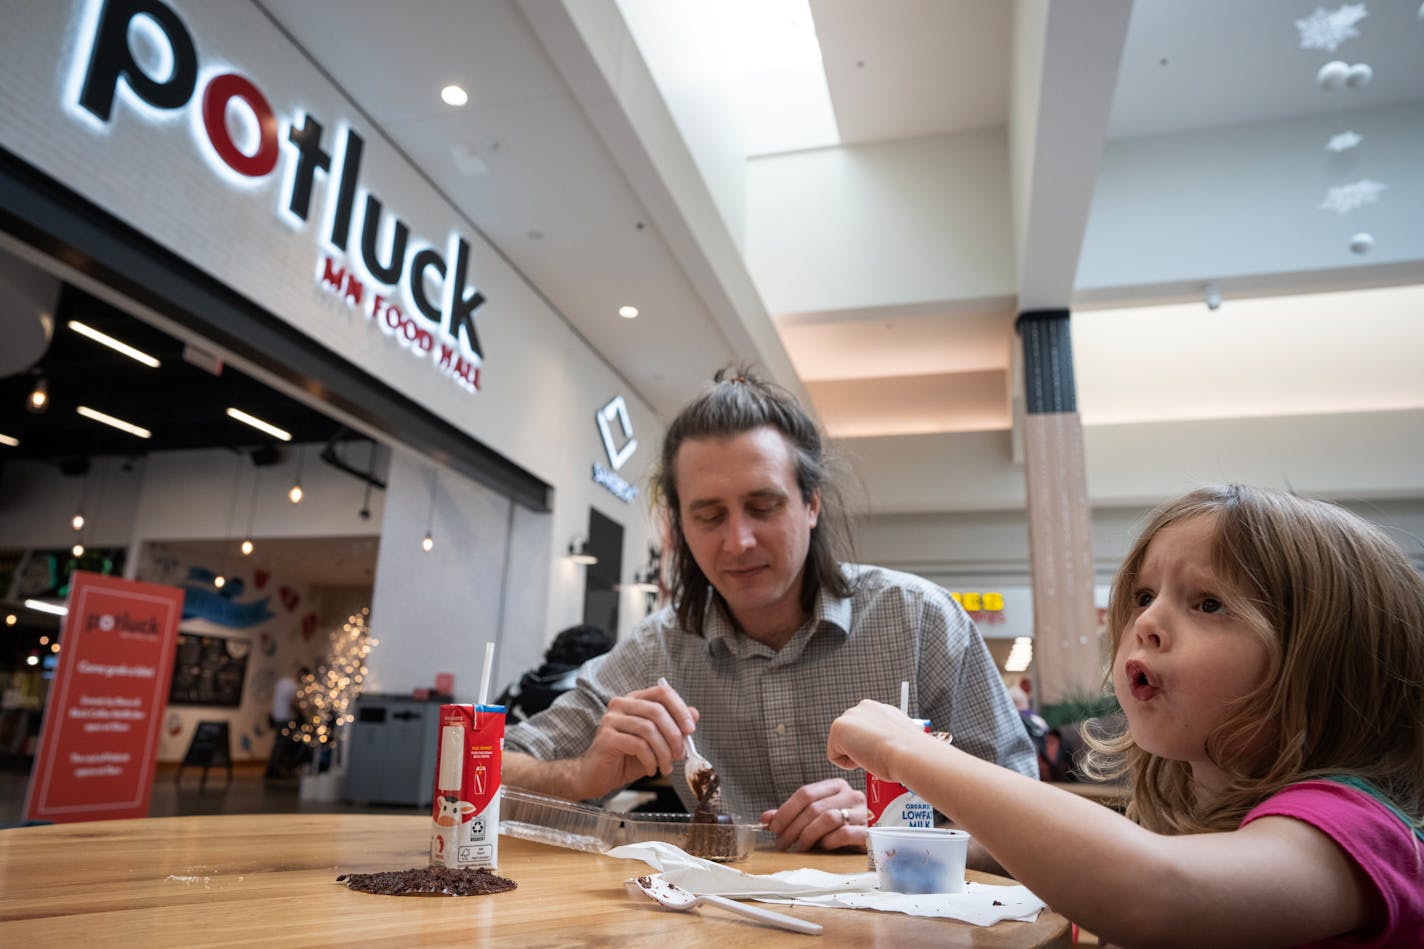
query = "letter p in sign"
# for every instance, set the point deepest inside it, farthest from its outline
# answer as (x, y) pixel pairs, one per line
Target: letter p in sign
(617, 409)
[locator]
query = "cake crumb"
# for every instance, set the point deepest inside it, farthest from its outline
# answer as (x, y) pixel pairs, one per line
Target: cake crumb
(429, 881)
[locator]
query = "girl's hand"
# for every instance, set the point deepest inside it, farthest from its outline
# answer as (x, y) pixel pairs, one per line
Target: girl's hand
(867, 735)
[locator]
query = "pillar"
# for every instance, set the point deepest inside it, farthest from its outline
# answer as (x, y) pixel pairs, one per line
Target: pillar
(1066, 660)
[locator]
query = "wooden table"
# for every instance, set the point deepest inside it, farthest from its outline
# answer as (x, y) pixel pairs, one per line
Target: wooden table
(270, 879)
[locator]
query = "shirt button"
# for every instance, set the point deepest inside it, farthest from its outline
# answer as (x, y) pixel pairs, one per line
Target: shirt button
(780, 728)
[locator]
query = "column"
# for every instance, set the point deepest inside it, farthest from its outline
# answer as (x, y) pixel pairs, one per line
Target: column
(1066, 660)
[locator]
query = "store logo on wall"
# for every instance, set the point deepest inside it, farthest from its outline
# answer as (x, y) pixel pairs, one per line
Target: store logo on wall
(617, 410)
(236, 129)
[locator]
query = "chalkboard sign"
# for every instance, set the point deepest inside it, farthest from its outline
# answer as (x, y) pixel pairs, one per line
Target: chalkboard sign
(210, 746)
(209, 670)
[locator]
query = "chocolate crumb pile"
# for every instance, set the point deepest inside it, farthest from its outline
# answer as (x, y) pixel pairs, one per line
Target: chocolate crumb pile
(428, 881)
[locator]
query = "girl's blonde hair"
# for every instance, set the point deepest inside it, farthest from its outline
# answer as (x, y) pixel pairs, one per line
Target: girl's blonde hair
(1341, 612)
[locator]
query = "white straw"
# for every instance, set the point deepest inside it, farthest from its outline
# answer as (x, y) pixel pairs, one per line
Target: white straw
(485, 675)
(904, 697)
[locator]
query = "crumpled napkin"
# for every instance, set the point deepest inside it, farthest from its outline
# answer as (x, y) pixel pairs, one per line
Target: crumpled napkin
(980, 904)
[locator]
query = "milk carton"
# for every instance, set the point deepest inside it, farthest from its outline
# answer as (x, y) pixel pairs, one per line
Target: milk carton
(465, 816)
(889, 804)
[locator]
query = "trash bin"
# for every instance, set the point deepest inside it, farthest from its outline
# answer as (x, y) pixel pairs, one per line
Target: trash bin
(393, 748)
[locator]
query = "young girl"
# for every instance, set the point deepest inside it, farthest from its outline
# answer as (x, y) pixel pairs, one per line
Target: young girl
(1268, 653)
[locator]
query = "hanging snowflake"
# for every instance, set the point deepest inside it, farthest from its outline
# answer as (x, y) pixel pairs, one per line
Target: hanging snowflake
(1346, 198)
(1344, 141)
(1322, 30)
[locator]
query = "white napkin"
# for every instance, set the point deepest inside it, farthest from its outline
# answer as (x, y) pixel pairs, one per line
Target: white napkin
(980, 904)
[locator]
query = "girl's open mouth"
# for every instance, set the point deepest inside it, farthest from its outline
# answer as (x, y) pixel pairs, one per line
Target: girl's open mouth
(1140, 681)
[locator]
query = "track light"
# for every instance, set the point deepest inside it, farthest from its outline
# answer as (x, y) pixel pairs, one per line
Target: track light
(113, 422)
(117, 346)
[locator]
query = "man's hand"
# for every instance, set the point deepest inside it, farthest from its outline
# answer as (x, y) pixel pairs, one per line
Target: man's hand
(828, 814)
(640, 734)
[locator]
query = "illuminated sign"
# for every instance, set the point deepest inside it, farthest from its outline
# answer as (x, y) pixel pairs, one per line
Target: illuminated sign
(616, 410)
(980, 602)
(140, 53)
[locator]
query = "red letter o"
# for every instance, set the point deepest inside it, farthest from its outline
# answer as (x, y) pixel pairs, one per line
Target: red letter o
(220, 91)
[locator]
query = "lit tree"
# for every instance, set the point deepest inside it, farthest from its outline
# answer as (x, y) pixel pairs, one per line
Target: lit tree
(325, 697)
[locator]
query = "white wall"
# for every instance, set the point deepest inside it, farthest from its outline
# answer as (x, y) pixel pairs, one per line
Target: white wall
(179, 496)
(1162, 202)
(892, 235)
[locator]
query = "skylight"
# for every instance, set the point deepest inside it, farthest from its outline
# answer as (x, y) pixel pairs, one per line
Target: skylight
(750, 69)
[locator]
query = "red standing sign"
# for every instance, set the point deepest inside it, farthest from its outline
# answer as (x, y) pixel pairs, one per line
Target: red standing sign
(98, 746)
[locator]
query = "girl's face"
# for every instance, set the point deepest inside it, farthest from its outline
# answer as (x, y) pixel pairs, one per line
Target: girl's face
(1184, 658)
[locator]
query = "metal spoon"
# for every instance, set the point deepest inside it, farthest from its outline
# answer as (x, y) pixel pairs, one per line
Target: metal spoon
(675, 897)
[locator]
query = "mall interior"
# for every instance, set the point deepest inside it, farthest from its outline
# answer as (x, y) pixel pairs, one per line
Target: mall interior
(361, 323)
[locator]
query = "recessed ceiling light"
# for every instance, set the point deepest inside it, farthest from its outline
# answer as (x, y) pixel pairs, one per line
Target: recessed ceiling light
(117, 346)
(454, 95)
(109, 420)
(258, 424)
(628, 312)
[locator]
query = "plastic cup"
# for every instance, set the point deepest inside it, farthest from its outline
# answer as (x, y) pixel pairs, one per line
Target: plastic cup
(919, 859)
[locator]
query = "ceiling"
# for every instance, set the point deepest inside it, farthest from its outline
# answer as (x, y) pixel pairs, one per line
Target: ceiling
(988, 157)
(182, 402)
(604, 176)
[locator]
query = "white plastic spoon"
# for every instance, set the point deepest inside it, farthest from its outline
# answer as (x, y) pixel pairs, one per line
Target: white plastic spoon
(675, 897)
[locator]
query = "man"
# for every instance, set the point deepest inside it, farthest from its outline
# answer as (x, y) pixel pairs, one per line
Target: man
(768, 637)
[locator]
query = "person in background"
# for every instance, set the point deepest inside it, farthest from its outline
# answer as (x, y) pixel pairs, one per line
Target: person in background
(537, 689)
(286, 754)
(768, 633)
(1268, 653)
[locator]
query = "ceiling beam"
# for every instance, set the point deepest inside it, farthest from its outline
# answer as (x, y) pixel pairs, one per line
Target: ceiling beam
(1066, 59)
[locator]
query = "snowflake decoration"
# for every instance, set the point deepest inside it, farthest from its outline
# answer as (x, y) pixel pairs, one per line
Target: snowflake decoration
(1348, 197)
(1344, 141)
(1322, 30)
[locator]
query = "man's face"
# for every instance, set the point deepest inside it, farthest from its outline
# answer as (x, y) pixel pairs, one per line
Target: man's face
(747, 526)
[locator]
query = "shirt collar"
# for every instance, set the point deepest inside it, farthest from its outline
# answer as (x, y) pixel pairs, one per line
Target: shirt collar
(831, 613)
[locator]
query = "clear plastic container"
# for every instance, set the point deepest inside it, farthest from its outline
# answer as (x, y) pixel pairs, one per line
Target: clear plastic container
(551, 820)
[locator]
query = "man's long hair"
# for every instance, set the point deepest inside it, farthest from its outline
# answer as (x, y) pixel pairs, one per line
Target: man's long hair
(738, 401)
